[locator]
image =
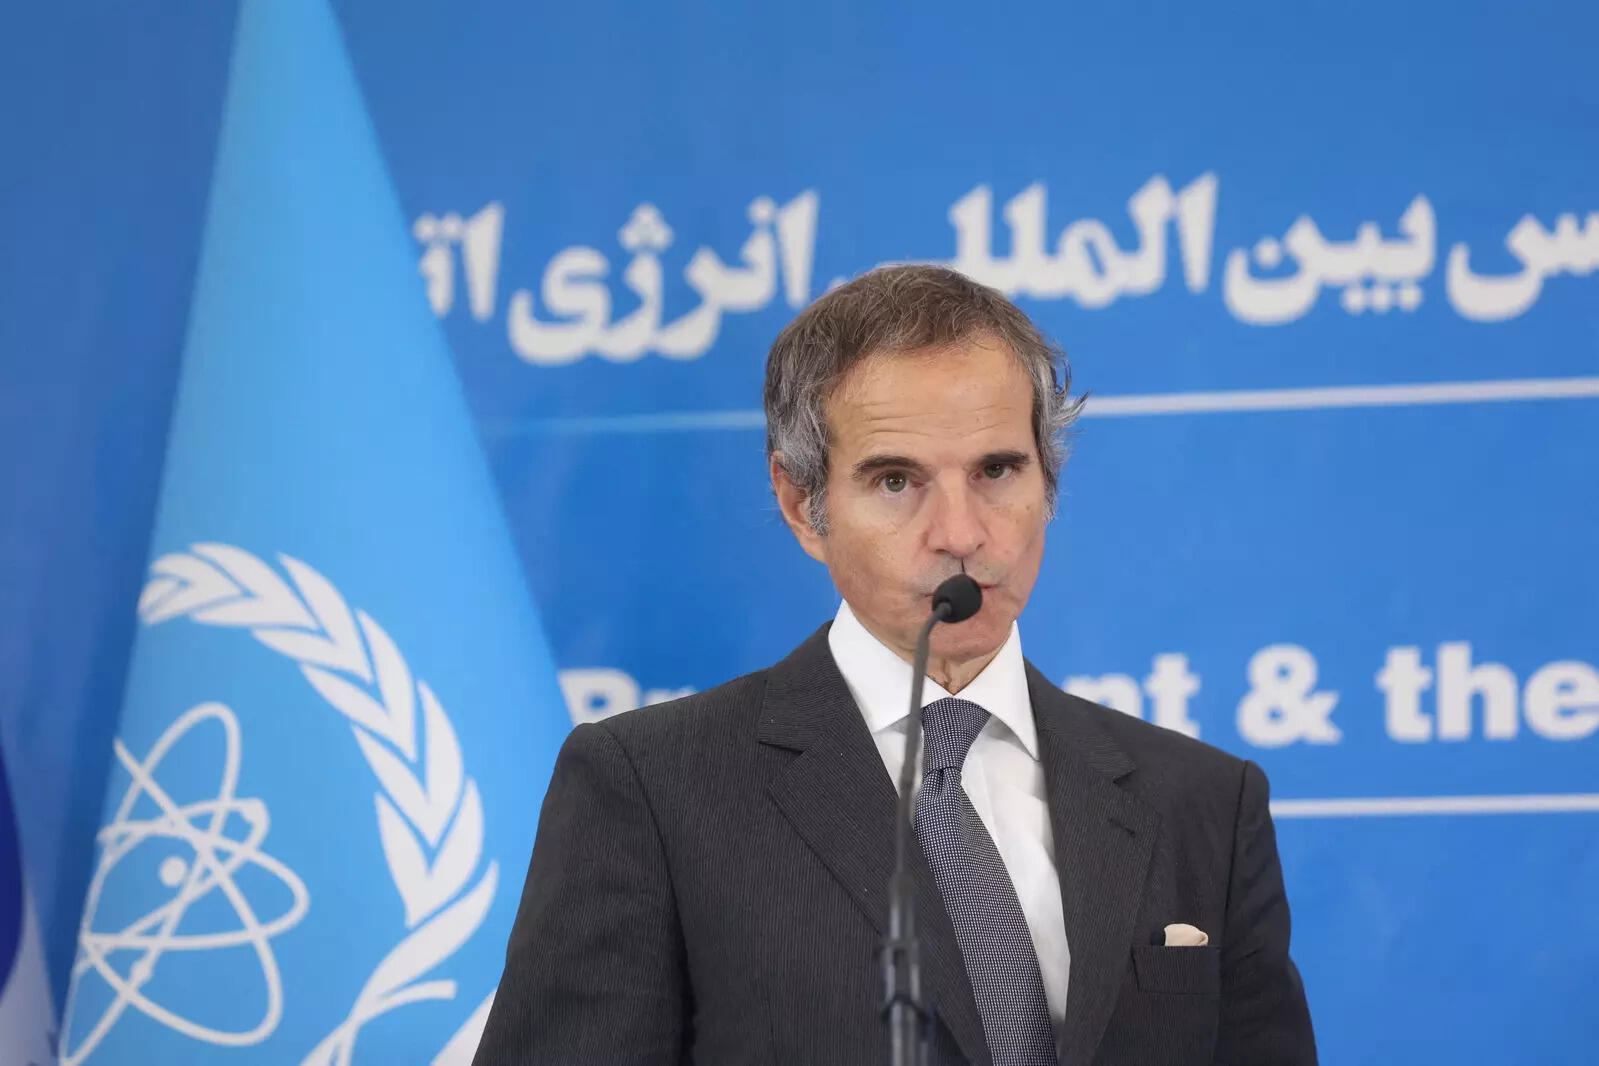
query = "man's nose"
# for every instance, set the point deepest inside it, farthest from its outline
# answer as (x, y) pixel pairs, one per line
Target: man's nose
(955, 524)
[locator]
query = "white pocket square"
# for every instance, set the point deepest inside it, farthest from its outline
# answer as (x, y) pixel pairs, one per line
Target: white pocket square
(1182, 935)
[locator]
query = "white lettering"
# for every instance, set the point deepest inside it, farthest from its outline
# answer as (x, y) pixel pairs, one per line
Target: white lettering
(1117, 691)
(1282, 705)
(1170, 685)
(598, 692)
(1562, 701)
(1459, 682)
(1402, 680)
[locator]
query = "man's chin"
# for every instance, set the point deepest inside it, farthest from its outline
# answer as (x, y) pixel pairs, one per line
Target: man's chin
(976, 638)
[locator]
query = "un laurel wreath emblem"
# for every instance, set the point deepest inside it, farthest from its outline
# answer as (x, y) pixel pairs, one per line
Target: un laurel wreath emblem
(428, 810)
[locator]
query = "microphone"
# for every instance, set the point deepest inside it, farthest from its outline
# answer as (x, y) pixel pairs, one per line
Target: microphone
(958, 598)
(909, 1023)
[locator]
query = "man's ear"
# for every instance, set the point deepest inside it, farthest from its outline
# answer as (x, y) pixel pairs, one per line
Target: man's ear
(794, 502)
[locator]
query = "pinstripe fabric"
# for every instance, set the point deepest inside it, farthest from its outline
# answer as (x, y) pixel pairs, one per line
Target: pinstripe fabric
(977, 892)
(709, 882)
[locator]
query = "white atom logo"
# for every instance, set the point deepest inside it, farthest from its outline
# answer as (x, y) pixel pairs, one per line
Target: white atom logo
(206, 874)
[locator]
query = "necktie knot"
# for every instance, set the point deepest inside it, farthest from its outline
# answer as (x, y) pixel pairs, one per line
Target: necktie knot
(951, 726)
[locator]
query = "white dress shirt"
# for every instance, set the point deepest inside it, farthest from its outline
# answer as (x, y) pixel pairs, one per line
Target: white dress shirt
(1002, 774)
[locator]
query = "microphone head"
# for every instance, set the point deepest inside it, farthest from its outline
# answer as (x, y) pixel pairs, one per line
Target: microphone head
(958, 598)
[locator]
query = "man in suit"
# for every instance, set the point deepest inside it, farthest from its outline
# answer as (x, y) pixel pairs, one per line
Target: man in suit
(709, 881)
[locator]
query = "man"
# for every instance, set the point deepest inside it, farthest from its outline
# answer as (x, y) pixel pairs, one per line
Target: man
(709, 880)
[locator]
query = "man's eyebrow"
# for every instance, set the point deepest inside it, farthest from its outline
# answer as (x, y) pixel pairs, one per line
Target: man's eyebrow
(877, 464)
(1010, 457)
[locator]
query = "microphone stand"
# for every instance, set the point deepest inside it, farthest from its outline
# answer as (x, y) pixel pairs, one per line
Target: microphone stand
(909, 1022)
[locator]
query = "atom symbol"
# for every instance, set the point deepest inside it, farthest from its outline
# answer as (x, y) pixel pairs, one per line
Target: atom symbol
(208, 873)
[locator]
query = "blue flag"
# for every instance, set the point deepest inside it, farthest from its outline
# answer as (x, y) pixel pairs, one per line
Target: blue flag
(341, 712)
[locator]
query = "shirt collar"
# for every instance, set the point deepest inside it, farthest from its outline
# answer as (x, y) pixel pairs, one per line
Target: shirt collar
(880, 681)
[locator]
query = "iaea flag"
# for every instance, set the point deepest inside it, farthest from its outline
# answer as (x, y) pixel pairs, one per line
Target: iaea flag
(340, 714)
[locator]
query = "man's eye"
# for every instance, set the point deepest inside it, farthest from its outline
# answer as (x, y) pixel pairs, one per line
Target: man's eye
(996, 470)
(895, 483)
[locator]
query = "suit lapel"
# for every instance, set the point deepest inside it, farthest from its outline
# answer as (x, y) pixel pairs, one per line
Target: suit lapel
(1104, 836)
(837, 796)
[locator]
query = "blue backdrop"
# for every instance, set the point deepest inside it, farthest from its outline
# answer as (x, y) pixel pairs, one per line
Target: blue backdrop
(1326, 270)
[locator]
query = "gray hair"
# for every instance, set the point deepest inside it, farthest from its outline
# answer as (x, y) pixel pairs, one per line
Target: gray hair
(900, 309)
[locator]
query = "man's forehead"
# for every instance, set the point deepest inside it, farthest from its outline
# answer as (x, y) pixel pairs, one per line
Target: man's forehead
(976, 357)
(979, 396)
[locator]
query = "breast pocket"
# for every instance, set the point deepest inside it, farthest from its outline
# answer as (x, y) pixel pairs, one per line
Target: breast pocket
(1169, 1010)
(1178, 971)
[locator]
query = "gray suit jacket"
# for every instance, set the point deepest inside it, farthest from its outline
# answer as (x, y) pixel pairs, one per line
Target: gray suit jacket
(708, 885)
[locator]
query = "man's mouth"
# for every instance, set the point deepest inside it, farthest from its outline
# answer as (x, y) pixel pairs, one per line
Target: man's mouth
(984, 585)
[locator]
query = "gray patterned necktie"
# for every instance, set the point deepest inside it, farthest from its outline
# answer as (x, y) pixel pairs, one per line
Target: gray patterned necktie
(977, 892)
